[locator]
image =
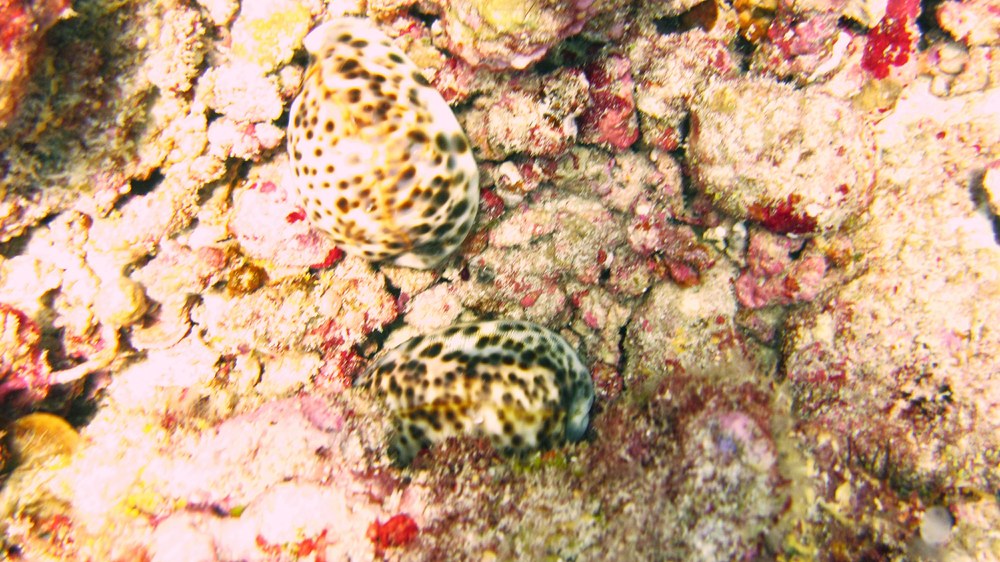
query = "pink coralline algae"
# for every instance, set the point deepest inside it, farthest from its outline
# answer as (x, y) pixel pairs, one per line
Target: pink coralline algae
(611, 117)
(783, 217)
(288, 480)
(627, 182)
(562, 240)
(673, 250)
(893, 40)
(235, 139)
(528, 114)
(23, 367)
(455, 80)
(264, 223)
(773, 277)
(798, 45)
(339, 368)
(491, 206)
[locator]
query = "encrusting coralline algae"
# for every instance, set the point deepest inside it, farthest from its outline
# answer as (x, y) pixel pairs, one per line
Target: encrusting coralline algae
(764, 234)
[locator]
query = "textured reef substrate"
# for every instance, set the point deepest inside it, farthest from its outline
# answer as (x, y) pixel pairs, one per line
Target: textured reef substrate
(769, 230)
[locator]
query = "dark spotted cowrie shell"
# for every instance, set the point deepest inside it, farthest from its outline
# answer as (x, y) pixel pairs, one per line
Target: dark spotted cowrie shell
(519, 384)
(380, 162)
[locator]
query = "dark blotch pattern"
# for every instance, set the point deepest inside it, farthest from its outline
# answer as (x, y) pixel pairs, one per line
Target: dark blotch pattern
(380, 162)
(521, 386)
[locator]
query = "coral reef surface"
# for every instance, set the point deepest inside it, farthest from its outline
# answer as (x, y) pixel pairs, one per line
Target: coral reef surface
(755, 242)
